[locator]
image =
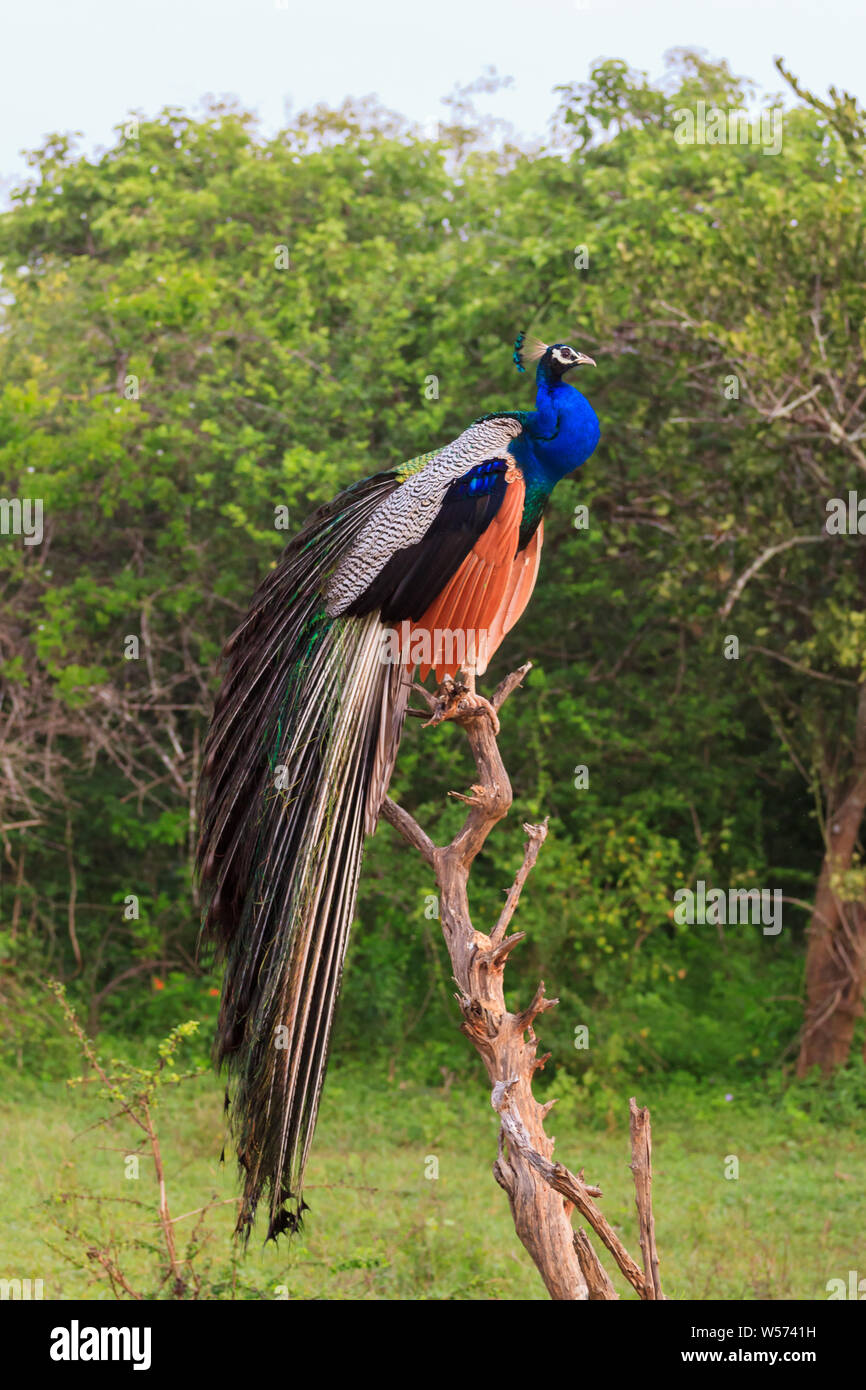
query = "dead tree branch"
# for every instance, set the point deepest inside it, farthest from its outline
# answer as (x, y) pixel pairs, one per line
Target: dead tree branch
(541, 1193)
(641, 1167)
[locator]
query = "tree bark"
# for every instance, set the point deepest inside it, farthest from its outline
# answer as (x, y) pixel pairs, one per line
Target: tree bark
(541, 1193)
(836, 953)
(505, 1041)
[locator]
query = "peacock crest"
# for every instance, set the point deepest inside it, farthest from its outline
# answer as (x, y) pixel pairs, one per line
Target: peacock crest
(527, 349)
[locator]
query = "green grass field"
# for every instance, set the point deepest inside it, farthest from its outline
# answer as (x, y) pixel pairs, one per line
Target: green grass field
(380, 1229)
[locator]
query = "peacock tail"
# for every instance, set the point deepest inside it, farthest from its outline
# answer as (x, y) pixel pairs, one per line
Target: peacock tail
(306, 724)
(306, 729)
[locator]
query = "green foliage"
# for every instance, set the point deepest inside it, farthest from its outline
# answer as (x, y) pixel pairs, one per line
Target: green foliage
(379, 1229)
(137, 1253)
(202, 325)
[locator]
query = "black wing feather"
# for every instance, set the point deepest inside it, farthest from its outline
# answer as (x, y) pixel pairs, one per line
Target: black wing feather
(411, 578)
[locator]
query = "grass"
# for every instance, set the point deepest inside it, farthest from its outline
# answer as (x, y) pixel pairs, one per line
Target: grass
(380, 1229)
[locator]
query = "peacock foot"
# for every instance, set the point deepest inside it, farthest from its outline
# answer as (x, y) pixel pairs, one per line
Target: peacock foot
(472, 703)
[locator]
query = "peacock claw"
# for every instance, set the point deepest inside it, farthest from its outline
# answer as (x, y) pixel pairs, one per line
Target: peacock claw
(454, 700)
(442, 704)
(472, 703)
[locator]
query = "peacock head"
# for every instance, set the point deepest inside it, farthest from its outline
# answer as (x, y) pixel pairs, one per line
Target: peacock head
(553, 361)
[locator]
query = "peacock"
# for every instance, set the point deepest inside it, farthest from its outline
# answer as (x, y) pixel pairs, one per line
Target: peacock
(421, 567)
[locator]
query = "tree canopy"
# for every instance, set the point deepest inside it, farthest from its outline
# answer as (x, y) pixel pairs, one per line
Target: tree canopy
(206, 331)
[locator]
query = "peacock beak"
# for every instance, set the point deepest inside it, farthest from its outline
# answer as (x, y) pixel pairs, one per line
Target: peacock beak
(584, 361)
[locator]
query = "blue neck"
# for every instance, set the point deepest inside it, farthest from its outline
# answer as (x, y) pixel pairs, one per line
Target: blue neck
(559, 434)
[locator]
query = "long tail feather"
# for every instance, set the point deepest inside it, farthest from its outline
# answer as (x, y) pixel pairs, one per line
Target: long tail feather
(298, 759)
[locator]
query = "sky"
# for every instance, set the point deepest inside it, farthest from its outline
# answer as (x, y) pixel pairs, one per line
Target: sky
(83, 64)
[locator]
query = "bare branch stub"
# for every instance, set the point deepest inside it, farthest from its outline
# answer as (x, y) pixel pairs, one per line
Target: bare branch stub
(537, 835)
(541, 1193)
(563, 1181)
(408, 827)
(597, 1279)
(641, 1167)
